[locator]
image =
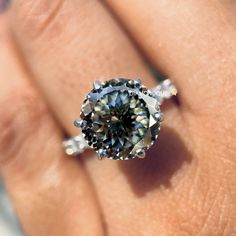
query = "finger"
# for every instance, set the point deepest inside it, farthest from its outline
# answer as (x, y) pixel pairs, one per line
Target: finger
(80, 44)
(192, 42)
(65, 71)
(48, 190)
(142, 187)
(68, 49)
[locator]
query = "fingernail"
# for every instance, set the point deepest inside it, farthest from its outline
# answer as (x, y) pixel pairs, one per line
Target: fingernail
(3, 5)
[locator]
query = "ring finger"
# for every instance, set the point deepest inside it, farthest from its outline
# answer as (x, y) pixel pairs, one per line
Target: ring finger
(72, 44)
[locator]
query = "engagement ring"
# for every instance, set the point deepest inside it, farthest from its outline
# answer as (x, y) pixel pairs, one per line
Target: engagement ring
(120, 119)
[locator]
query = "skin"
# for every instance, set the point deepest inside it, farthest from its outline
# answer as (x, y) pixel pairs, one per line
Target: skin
(52, 51)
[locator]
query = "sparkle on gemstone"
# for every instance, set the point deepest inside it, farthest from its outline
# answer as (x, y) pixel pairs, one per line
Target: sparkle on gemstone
(119, 120)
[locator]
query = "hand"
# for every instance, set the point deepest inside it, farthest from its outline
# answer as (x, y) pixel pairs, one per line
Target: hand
(52, 51)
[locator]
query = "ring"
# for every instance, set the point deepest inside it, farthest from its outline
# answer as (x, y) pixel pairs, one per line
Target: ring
(120, 119)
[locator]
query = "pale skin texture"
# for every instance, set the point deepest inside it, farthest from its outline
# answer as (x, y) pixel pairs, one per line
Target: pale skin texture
(52, 51)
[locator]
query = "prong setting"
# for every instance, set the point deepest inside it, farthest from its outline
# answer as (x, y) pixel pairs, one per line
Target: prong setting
(141, 153)
(97, 85)
(159, 116)
(137, 83)
(80, 124)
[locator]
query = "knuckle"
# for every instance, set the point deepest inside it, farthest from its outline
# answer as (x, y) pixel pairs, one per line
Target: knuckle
(21, 114)
(35, 16)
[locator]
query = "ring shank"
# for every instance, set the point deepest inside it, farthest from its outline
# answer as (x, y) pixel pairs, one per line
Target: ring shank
(164, 90)
(77, 144)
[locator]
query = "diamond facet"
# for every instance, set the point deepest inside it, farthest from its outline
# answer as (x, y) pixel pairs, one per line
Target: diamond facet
(120, 119)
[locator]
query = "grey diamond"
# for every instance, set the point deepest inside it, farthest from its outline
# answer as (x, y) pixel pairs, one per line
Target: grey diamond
(120, 119)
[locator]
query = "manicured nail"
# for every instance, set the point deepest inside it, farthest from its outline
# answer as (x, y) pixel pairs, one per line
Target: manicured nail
(3, 5)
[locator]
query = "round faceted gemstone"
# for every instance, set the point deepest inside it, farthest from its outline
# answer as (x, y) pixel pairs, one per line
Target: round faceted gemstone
(118, 120)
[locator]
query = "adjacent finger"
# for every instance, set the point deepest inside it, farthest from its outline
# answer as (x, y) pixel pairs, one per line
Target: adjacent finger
(70, 46)
(192, 42)
(48, 190)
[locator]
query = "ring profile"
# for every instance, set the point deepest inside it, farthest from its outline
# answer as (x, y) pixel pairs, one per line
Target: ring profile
(120, 119)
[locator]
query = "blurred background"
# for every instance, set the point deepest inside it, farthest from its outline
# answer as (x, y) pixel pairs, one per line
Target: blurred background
(8, 221)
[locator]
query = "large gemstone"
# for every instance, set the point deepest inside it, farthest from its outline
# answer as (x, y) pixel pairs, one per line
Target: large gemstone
(118, 120)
